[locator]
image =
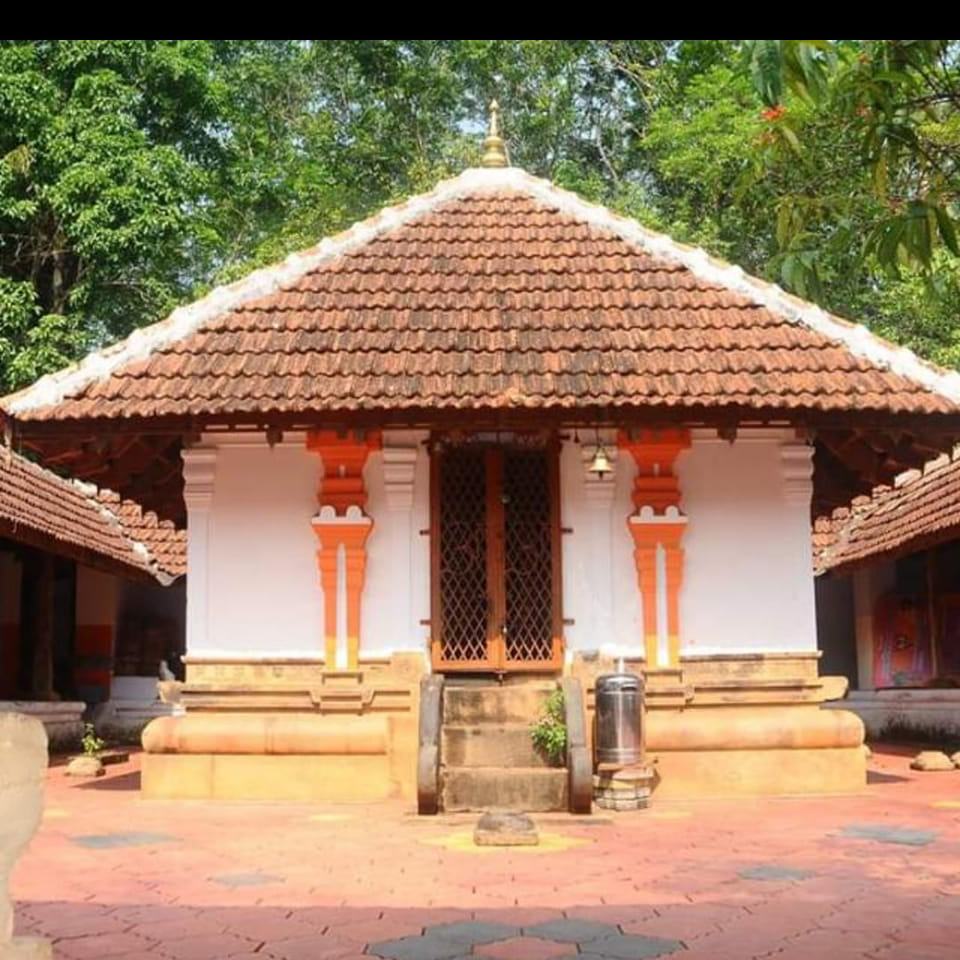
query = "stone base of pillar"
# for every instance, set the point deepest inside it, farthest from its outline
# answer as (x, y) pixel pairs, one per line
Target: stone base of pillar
(290, 731)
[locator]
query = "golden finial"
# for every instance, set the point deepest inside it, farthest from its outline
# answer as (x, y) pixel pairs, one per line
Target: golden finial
(494, 149)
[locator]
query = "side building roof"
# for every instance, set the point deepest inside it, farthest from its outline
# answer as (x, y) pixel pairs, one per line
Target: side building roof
(97, 528)
(920, 511)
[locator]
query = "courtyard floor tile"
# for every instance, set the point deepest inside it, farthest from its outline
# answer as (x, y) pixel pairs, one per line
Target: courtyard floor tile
(873, 876)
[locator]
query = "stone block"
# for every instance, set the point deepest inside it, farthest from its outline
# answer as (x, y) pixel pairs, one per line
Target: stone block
(505, 829)
(23, 765)
(626, 788)
(85, 767)
(931, 760)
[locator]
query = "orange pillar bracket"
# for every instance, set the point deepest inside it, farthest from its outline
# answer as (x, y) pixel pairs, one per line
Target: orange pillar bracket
(657, 523)
(341, 522)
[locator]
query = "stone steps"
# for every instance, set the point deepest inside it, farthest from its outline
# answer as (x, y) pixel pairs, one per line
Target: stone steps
(490, 745)
(487, 759)
(528, 789)
(494, 703)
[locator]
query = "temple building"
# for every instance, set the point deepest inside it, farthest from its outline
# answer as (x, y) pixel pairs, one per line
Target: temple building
(888, 602)
(499, 437)
(91, 599)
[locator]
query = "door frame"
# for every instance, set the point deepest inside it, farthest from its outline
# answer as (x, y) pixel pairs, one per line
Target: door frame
(496, 660)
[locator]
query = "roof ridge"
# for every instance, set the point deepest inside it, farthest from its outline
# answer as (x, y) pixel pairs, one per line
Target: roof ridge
(188, 319)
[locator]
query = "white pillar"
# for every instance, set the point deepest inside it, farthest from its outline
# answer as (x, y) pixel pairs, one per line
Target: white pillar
(598, 497)
(399, 465)
(199, 472)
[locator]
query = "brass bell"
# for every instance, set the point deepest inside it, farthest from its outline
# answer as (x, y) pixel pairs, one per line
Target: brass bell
(600, 465)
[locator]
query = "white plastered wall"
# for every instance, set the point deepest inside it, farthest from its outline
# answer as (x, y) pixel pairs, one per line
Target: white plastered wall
(396, 593)
(263, 594)
(748, 585)
(748, 581)
(251, 542)
(600, 593)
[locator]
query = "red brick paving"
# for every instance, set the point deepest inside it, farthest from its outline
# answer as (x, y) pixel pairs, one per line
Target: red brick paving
(335, 885)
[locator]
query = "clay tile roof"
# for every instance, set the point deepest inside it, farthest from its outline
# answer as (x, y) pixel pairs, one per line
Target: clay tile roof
(920, 511)
(165, 542)
(71, 519)
(496, 290)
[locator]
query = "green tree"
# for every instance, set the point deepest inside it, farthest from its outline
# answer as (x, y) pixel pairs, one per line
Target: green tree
(136, 174)
(898, 104)
(101, 169)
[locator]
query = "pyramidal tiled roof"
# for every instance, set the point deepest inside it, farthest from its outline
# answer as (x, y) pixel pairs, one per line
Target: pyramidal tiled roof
(497, 290)
(75, 519)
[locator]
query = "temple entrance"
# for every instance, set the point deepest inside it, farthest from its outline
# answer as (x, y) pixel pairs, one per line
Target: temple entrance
(495, 520)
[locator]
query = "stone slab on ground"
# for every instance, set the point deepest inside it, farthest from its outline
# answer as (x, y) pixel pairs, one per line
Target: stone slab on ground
(85, 767)
(931, 760)
(504, 828)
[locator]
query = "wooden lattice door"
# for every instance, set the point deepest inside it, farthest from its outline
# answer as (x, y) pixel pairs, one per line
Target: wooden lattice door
(496, 558)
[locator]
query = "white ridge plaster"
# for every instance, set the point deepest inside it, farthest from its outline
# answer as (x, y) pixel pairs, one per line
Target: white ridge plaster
(184, 321)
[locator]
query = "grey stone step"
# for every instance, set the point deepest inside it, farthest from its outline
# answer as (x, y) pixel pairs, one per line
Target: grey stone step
(527, 789)
(489, 745)
(495, 703)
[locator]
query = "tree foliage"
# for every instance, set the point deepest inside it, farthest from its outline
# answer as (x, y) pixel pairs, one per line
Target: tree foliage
(136, 174)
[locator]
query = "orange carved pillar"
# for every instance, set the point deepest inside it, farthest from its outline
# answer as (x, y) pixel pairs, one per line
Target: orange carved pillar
(673, 572)
(645, 557)
(354, 539)
(327, 565)
(657, 524)
(341, 522)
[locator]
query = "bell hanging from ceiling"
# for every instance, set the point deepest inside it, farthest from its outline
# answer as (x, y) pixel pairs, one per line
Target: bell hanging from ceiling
(600, 465)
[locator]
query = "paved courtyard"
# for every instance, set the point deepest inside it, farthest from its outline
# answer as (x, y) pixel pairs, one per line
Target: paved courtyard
(875, 875)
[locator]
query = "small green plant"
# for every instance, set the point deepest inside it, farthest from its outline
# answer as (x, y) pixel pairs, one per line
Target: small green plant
(549, 733)
(91, 743)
